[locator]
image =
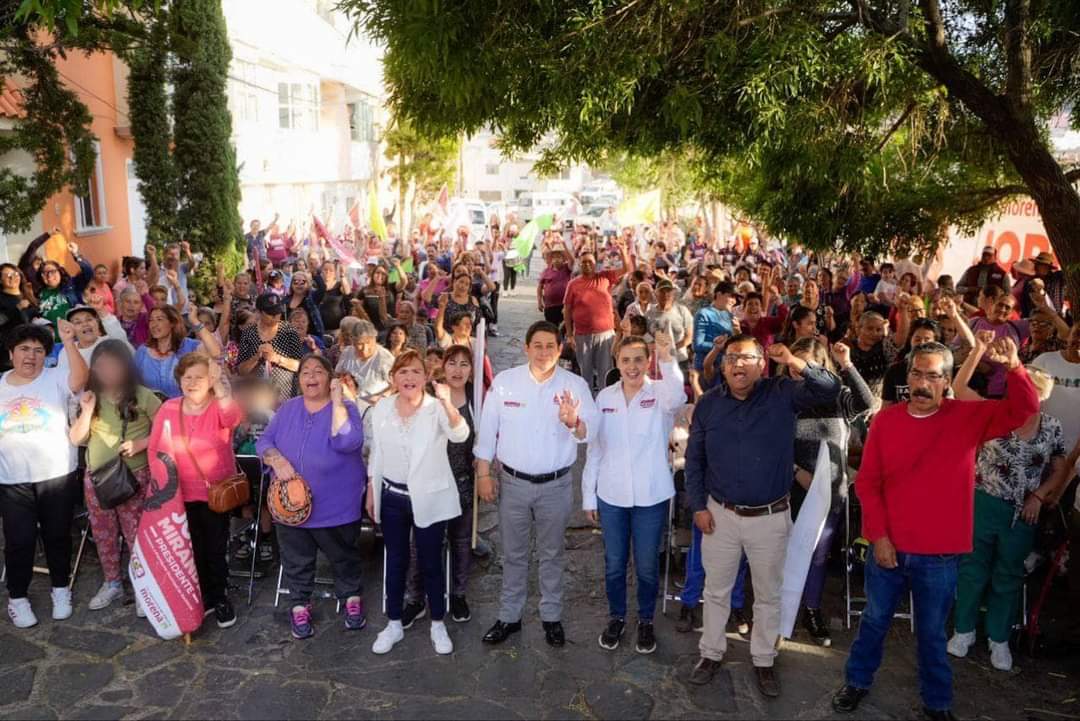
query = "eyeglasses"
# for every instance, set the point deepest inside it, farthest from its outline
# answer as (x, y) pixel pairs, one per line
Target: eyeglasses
(50, 271)
(920, 376)
(1040, 322)
(734, 358)
(10, 276)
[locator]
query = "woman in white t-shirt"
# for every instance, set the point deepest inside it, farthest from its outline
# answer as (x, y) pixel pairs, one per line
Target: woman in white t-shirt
(37, 465)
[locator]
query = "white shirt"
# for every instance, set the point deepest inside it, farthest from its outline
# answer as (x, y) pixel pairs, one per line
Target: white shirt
(520, 422)
(372, 375)
(628, 454)
(34, 442)
(1064, 400)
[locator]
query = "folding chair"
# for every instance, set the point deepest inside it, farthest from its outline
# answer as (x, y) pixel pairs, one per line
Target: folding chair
(252, 465)
(319, 581)
(669, 550)
(850, 600)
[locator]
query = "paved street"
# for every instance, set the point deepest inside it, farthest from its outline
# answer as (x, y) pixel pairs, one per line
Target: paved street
(109, 664)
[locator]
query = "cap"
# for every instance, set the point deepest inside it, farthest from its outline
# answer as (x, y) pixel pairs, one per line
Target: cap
(269, 303)
(364, 329)
(82, 309)
(988, 250)
(665, 284)
(1044, 258)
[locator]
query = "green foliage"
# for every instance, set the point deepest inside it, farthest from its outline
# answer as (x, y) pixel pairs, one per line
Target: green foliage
(207, 181)
(418, 158)
(830, 126)
(55, 132)
(151, 128)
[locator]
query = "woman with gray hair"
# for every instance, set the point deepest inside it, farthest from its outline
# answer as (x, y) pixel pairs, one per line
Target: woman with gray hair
(366, 361)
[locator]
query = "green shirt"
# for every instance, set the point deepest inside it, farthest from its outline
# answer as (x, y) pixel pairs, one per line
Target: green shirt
(105, 430)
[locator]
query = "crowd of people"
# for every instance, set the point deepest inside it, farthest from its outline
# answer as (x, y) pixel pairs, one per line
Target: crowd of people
(689, 365)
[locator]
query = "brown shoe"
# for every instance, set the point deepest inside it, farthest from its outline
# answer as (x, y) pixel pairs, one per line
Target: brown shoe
(703, 671)
(767, 681)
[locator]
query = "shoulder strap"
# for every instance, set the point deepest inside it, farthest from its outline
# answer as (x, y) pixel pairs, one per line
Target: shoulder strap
(187, 444)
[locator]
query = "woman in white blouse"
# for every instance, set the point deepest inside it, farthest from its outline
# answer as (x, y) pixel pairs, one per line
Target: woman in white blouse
(627, 483)
(412, 490)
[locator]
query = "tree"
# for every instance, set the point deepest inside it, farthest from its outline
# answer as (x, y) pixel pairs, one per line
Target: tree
(151, 129)
(207, 181)
(420, 162)
(55, 131)
(863, 124)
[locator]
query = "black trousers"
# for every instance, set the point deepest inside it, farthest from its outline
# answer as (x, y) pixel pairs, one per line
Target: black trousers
(210, 543)
(509, 276)
(299, 548)
(493, 300)
(554, 314)
(24, 507)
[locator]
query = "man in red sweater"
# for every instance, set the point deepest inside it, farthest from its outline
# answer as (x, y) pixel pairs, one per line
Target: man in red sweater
(917, 487)
(590, 316)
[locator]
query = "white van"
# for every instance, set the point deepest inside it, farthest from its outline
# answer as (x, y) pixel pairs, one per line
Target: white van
(462, 211)
(563, 205)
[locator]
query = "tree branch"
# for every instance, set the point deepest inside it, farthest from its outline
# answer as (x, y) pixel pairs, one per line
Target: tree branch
(896, 125)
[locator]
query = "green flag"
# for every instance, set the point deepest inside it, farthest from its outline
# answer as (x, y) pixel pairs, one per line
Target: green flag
(406, 265)
(526, 239)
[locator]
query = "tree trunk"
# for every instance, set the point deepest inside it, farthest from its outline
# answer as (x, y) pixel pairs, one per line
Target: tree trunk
(403, 230)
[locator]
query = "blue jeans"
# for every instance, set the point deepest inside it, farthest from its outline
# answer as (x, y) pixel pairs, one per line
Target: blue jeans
(397, 525)
(644, 525)
(695, 576)
(932, 582)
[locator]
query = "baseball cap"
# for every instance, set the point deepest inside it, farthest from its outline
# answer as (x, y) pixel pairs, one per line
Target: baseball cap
(270, 304)
(82, 309)
(665, 284)
(988, 250)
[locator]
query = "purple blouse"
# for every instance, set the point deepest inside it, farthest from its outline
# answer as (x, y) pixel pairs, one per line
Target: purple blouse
(332, 465)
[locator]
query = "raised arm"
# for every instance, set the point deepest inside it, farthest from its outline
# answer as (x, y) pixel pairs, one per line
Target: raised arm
(961, 384)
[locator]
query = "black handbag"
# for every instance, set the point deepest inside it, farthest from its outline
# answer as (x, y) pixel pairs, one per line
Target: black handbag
(113, 482)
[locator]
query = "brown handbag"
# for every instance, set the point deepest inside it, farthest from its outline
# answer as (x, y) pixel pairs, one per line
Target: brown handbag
(225, 495)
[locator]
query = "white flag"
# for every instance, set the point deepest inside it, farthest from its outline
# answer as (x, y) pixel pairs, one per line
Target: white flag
(803, 540)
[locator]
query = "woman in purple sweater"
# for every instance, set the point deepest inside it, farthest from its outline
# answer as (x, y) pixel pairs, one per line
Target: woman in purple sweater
(319, 436)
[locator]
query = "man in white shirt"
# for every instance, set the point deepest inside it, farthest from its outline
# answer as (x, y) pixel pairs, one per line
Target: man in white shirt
(534, 417)
(627, 483)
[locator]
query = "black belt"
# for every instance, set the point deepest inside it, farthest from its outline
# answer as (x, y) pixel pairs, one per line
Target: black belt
(538, 477)
(778, 506)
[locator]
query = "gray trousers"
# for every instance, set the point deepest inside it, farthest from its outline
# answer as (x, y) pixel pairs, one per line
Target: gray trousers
(521, 506)
(593, 353)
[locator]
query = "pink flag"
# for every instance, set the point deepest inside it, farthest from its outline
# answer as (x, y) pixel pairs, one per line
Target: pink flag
(444, 199)
(341, 250)
(354, 214)
(162, 567)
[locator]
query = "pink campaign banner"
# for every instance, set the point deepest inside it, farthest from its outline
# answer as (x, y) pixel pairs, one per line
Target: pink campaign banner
(1016, 233)
(162, 567)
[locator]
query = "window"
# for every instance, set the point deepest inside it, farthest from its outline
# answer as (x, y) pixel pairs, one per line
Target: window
(298, 106)
(90, 205)
(491, 169)
(243, 96)
(361, 122)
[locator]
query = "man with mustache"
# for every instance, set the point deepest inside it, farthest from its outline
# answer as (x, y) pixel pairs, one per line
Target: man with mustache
(918, 512)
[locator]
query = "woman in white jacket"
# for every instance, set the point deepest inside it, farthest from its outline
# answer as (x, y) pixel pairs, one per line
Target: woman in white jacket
(411, 490)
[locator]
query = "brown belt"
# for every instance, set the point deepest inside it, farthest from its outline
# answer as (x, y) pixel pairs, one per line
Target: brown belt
(776, 506)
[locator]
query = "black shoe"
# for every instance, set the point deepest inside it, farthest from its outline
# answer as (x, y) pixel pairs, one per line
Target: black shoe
(412, 613)
(697, 619)
(767, 681)
(459, 609)
(501, 631)
(703, 671)
(225, 614)
(816, 627)
(243, 553)
(266, 551)
(739, 622)
(646, 639)
(685, 624)
(847, 699)
(609, 639)
(554, 634)
(946, 715)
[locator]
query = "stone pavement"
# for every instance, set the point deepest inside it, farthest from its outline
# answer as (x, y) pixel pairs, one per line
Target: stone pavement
(108, 664)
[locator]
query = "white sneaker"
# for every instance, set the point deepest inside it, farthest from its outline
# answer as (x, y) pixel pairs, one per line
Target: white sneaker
(440, 639)
(61, 603)
(22, 615)
(960, 644)
(110, 591)
(1000, 656)
(388, 638)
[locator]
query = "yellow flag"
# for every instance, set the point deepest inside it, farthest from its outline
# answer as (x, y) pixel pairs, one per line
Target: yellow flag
(375, 219)
(639, 209)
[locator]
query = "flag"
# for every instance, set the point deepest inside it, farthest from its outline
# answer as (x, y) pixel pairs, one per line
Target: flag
(162, 566)
(406, 265)
(525, 240)
(444, 198)
(354, 214)
(339, 248)
(640, 209)
(804, 539)
(375, 219)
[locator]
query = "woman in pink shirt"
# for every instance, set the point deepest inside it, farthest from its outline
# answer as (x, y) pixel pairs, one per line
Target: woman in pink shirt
(199, 425)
